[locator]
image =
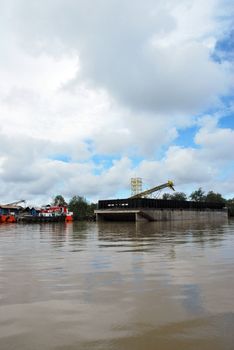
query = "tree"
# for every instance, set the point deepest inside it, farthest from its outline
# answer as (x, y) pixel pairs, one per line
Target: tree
(230, 205)
(214, 197)
(81, 208)
(198, 195)
(179, 196)
(59, 200)
(78, 205)
(166, 196)
(91, 208)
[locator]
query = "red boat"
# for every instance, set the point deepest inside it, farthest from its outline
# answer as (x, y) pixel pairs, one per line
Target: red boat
(8, 213)
(56, 211)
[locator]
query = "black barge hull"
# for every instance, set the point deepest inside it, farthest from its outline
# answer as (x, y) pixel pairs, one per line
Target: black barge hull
(40, 219)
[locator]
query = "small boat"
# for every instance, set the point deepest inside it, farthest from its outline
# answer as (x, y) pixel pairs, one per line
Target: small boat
(8, 213)
(5, 219)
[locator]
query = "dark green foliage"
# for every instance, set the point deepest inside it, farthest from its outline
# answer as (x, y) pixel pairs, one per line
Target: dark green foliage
(230, 205)
(214, 197)
(166, 196)
(179, 196)
(59, 200)
(82, 210)
(198, 195)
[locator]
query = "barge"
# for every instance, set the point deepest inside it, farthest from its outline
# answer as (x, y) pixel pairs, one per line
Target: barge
(146, 209)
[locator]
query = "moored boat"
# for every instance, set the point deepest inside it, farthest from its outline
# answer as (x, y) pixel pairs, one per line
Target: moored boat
(7, 219)
(48, 213)
(57, 211)
(26, 219)
(8, 213)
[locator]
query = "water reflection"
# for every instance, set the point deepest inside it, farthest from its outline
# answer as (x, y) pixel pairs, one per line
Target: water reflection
(117, 286)
(148, 235)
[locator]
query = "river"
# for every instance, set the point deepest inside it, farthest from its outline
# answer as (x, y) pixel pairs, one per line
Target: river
(109, 286)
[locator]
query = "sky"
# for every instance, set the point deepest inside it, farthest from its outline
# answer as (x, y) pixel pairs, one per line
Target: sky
(93, 93)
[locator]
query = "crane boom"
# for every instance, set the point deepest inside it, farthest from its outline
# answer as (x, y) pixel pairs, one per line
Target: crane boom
(18, 202)
(169, 184)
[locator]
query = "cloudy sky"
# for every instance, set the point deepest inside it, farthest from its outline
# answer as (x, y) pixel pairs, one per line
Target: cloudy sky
(94, 92)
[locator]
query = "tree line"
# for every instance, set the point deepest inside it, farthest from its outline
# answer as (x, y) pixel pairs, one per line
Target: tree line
(200, 196)
(83, 210)
(196, 196)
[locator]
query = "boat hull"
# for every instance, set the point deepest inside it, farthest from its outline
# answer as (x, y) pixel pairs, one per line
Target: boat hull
(7, 219)
(40, 219)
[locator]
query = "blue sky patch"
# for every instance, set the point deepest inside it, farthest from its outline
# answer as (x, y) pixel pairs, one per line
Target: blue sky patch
(61, 157)
(227, 122)
(186, 137)
(224, 49)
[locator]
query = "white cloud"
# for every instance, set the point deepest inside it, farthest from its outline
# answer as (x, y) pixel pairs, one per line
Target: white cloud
(120, 47)
(119, 80)
(217, 143)
(187, 166)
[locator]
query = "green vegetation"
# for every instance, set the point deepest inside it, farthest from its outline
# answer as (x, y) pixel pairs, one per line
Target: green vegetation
(200, 196)
(81, 208)
(177, 196)
(215, 197)
(196, 196)
(59, 200)
(230, 205)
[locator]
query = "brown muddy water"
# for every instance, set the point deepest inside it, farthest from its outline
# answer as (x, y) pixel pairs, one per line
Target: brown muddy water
(117, 286)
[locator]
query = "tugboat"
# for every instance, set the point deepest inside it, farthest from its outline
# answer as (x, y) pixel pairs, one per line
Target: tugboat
(56, 211)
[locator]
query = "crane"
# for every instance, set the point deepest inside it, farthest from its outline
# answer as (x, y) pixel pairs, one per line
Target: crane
(18, 202)
(169, 184)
